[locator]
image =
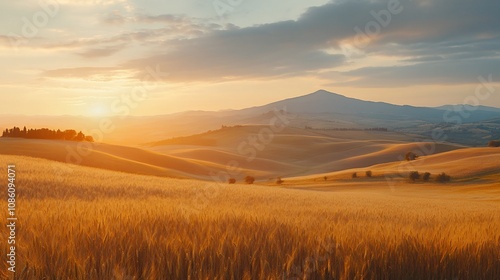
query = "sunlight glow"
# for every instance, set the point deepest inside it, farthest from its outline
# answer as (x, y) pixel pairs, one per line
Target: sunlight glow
(98, 110)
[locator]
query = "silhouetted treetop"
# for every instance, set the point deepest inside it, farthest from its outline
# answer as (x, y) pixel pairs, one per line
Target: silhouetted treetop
(411, 156)
(494, 143)
(45, 133)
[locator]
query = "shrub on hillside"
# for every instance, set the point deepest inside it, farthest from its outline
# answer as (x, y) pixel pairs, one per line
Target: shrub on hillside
(279, 181)
(354, 175)
(231, 181)
(443, 178)
(494, 143)
(411, 156)
(426, 176)
(413, 176)
(369, 174)
(249, 179)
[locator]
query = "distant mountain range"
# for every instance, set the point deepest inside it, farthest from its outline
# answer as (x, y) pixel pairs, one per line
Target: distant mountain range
(323, 102)
(462, 107)
(318, 110)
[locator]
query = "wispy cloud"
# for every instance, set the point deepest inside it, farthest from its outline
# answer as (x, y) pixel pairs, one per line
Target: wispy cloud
(89, 73)
(101, 52)
(453, 72)
(91, 2)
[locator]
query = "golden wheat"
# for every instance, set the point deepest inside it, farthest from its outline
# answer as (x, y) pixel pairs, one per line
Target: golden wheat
(83, 223)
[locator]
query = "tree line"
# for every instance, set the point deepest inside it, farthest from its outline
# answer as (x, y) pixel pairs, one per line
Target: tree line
(45, 133)
(494, 143)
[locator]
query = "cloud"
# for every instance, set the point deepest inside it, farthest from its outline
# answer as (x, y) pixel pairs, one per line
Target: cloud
(165, 18)
(88, 73)
(91, 2)
(115, 17)
(108, 42)
(7, 40)
(441, 41)
(101, 52)
(266, 51)
(119, 17)
(443, 29)
(451, 72)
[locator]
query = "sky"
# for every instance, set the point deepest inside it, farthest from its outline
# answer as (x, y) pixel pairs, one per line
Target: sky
(93, 57)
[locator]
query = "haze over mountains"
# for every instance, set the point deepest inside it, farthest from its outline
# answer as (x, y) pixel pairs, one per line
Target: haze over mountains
(318, 110)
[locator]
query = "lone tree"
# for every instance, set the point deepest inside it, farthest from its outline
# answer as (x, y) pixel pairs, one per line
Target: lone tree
(414, 175)
(369, 174)
(354, 175)
(249, 179)
(494, 143)
(231, 181)
(279, 181)
(411, 156)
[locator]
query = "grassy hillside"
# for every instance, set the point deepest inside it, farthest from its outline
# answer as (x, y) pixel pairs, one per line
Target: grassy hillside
(302, 151)
(234, 152)
(118, 158)
(465, 165)
(97, 224)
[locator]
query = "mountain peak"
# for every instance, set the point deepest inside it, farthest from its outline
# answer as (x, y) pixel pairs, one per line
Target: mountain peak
(326, 93)
(322, 91)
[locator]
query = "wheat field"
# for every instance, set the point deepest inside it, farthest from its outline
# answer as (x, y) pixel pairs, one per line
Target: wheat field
(84, 223)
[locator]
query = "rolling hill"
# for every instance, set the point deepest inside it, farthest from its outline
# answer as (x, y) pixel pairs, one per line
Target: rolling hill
(105, 156)
(233, 152)
(473, 169)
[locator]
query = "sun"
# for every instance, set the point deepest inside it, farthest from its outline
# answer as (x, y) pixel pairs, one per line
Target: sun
(98, 110)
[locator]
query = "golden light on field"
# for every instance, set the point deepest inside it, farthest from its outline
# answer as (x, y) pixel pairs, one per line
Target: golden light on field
(124, 226)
